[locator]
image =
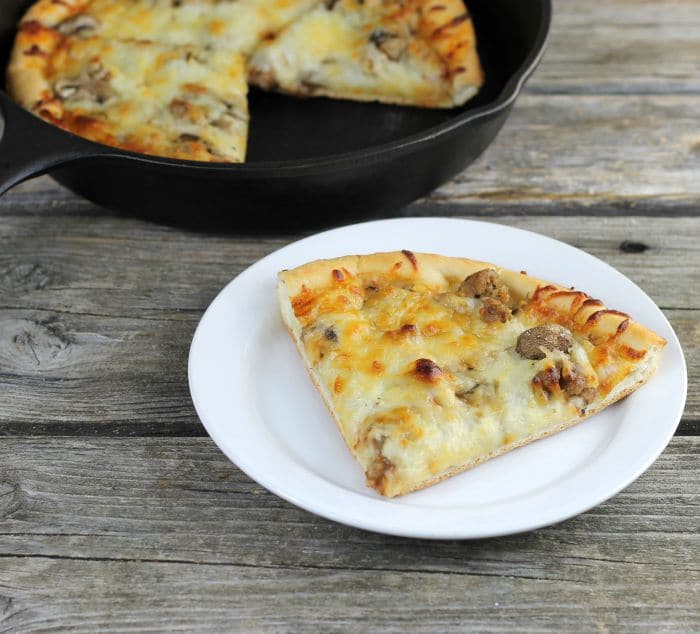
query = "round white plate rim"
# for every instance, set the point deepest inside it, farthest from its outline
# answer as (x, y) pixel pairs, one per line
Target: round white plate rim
(361, 514)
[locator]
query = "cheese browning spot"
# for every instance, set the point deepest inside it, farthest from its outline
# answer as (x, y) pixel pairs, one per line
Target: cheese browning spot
(338, 385)
(303, 303)
(632, 353)
(411, 258)
(407, 330)
(428, 371)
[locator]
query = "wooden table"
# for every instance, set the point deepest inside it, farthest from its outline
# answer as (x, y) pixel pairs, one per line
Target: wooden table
(116, 510)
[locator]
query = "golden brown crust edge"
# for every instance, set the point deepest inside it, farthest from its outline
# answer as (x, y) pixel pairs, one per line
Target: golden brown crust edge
(440, 270)
(448, 27)
(52, 12)
(26, 72)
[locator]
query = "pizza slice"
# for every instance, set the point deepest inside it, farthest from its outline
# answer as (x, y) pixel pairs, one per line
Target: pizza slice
(235, 25)
(431, 365)
(410, 52)
(172, 101)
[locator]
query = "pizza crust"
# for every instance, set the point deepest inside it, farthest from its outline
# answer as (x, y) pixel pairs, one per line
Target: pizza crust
(50, 13)
(26, 73)
(448, 27)
(440, 272)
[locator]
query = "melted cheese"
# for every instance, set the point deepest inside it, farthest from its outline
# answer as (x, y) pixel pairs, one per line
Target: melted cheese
(332, 52)
(235, 25)
(363, 340)
(169, 101)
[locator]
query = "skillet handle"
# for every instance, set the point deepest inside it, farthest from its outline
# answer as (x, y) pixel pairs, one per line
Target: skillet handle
(30, 146)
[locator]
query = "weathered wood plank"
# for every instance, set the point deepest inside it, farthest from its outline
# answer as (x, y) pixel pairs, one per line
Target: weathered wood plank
(603, 155)
(96, 315)
(618, 153)
(622, 46)
(89, 596)
(114, 533)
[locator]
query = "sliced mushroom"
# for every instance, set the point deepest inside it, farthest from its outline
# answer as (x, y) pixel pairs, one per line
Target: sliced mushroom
(92, 85)
(67, 88)
(79, 89)
(81, 25)
(531, 342)
(391, 44)
(228, 121)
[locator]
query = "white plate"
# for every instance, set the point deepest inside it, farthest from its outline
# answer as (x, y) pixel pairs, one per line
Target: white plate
(257, 402)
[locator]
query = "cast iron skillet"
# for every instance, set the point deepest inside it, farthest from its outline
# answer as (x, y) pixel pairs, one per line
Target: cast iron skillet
(310, 160)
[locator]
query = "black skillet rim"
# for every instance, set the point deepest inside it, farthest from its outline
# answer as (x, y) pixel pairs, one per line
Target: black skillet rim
(373, 154)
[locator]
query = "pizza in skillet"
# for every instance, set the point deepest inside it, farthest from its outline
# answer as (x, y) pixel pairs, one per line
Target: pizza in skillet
(411, 52)
(431, 365)
(178, 102)
(169, 77)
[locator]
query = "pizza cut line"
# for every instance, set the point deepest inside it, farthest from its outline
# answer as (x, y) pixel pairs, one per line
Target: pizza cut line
(106, 69)
(431, 365)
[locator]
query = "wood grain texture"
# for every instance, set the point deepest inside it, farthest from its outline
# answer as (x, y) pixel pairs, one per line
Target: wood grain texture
(97, 313)
(622, 46)
(597, 155)
(117, 534)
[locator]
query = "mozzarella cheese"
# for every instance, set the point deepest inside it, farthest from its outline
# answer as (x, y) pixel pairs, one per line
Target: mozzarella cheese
(352, 50)
(155, 99)
(236, 25)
